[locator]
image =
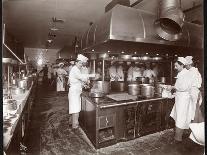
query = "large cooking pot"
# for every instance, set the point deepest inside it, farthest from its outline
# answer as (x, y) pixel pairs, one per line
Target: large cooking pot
(147, 90)
(23, 84)
(159, 88)
(143, 80)
(100, 86)
(118, 86)
(134, 89)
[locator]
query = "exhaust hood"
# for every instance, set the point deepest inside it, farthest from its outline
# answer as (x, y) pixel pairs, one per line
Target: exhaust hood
(128, 29)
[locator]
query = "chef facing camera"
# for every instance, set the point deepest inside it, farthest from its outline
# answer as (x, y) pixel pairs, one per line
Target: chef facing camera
(76, 81)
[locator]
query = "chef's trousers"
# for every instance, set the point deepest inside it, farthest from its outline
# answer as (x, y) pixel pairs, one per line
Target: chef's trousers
(75, 117)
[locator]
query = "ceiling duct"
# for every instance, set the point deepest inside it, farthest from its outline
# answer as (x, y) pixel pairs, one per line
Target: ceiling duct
(128, 29)
(170, 20)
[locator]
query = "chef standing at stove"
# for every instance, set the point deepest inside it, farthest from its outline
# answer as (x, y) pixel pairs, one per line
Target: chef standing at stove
(76, 79)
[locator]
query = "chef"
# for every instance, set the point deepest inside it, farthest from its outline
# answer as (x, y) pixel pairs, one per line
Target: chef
(113, 72)
(148, 72)
(181, 111)
(196, 85)
(76, 79)
(134, 71)
(120, 71)
(61, 73)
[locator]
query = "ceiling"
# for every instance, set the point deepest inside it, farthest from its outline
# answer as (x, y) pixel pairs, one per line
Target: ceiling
(29, 21)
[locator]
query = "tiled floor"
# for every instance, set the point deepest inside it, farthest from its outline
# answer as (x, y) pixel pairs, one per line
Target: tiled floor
(50, 134)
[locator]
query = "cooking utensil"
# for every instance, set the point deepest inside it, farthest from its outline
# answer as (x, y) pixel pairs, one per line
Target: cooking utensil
(134, 89)
(118, 86)
(100, 86)
(147, 90)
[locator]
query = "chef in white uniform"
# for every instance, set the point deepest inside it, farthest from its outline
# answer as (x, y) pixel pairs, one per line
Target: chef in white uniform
(181, 111)
(194, 91)
(133, 72)
(76, 79)
(113, 72)
(61, 73)
(148, 72)
(120, 71)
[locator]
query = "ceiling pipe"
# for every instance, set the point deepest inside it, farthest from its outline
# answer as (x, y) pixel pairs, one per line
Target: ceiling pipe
(170, 20)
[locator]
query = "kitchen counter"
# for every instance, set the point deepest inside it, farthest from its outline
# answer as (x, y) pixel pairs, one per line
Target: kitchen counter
(15, 131)
(121, 117)
(106, 102)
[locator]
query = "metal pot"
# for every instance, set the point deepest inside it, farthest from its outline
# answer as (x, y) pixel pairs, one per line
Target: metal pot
(143, 80)
(23, 84)
(134, 89)
(11, 104)
(101, 86)
(159, 89)
(96, 94)
(147, 90)
(118, 86)
(17, 91)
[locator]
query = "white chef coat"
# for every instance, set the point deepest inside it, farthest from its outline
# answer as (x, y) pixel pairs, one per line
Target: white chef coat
(182, 110)
(133, 73)
(112, 73)
(198, 133)
(50, 71)
(60, 79)
(76, 78)
(195, 85)
(148, 73)
(120, 73)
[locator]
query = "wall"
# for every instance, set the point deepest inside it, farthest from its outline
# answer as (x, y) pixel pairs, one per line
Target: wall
(67, 52)
(35, 54)
(194, 15)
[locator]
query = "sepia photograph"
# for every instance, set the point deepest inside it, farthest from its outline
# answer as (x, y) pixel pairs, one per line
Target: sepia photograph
(103, 77)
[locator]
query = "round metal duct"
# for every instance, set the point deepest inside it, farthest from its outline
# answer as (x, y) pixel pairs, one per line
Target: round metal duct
(170, 20)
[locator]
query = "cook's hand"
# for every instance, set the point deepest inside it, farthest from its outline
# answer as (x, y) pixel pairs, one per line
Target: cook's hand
(169, 88)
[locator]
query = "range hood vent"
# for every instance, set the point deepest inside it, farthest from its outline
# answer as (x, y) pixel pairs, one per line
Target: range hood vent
(129, 29)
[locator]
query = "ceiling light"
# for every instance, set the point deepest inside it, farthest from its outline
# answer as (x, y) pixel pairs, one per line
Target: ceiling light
(93, 50)
(146, 53)
(135, 52)
(108, 51)
(49, 40)
(157, 54)
(122, 52)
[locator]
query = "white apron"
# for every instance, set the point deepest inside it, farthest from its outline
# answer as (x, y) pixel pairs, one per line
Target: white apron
(60, 84)
(75, 79)
(182, 109)
(74, 99)
(136, 72)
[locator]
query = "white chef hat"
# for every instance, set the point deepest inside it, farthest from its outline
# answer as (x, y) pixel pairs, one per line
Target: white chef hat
(61, 64)
(82, 58)
(189, 60)
(182, 60)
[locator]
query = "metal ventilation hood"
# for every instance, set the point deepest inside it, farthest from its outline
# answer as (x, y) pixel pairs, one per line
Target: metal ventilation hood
(128, 29)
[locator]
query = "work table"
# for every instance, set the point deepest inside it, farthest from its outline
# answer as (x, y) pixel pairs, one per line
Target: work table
(18, 120)
(107, 121)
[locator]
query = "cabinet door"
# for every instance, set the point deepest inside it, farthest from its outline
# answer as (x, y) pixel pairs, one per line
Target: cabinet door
(106, 121)
(169, 122)
(149, 119)
(130, 122)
